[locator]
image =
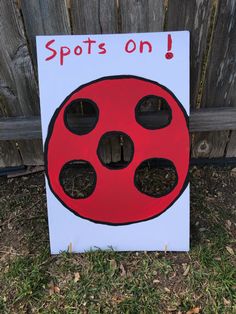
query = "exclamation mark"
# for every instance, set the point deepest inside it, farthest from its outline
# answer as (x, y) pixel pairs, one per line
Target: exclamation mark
(169, 54)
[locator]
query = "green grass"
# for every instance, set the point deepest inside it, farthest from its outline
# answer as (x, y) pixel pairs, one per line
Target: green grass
(102, 289)
(32, 281)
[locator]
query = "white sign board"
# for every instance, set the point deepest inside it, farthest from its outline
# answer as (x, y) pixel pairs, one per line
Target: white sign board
(114, 74)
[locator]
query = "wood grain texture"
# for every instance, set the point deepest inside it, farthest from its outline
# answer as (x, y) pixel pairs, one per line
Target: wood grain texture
(19, 91)
(220, 82)
(18, 88)
(104, 151)
(94, 17)
(115, 149)
(142, 15)
(9, 155)
(127, 150)
(231, 147)
(20, 128)
(97, 17)
(209, 144)
(44, 17)
(32, 154)
(193, 16)
(211, 119)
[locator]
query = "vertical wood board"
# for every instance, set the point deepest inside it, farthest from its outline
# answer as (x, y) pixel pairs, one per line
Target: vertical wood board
(44, 17)
(18, 88)
(94, 17)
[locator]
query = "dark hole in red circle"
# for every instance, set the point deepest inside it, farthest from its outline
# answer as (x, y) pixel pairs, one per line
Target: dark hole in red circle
(81, 116)
(115, 150)
(156, 177)
(153, 112)
(78, 179)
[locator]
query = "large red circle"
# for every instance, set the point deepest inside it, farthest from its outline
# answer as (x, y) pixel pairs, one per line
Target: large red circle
(116, 200)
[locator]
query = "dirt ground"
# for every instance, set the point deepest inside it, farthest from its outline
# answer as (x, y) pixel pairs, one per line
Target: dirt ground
(201, 281)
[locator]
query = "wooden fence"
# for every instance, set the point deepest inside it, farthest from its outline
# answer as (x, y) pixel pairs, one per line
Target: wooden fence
(213, 63)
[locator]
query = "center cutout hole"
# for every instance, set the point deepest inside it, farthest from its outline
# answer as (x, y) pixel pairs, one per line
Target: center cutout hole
(115, 150)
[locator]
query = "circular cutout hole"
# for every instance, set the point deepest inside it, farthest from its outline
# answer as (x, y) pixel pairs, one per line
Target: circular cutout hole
(78, 179)
(81, 116)
(153, 112)
(115, 150)
(156, 177)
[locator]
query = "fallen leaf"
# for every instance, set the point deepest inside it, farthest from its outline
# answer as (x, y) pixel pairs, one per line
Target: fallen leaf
(230, 250)
(194, 310)
(53, 288)
(123, 271)
(156, 281)
(228, 223)
(119, 298)
(173, 276)
(226, 302)
(171, 309)
(217, 258)
(167, 290)
(56, 289)
(76, 277)
(186, 270)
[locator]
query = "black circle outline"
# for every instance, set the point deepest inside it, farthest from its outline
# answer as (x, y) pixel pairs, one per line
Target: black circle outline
(109, 135)
(50, 130)
(164, 194)
(71, 104)
(137, 112)
(94, 184)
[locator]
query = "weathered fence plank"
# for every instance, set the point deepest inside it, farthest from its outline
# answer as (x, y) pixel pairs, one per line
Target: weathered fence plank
(220, 81)
(142, 15)
(193, 16)
(97, 17)
(94, 17)
(18, 86)
(231, 147)
(211, 119)
(209, 144)
(115, 149)
(20, 128)
(44, 17)
(9, 155)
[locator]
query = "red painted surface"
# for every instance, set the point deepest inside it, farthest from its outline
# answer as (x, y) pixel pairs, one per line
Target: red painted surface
(115, 199)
